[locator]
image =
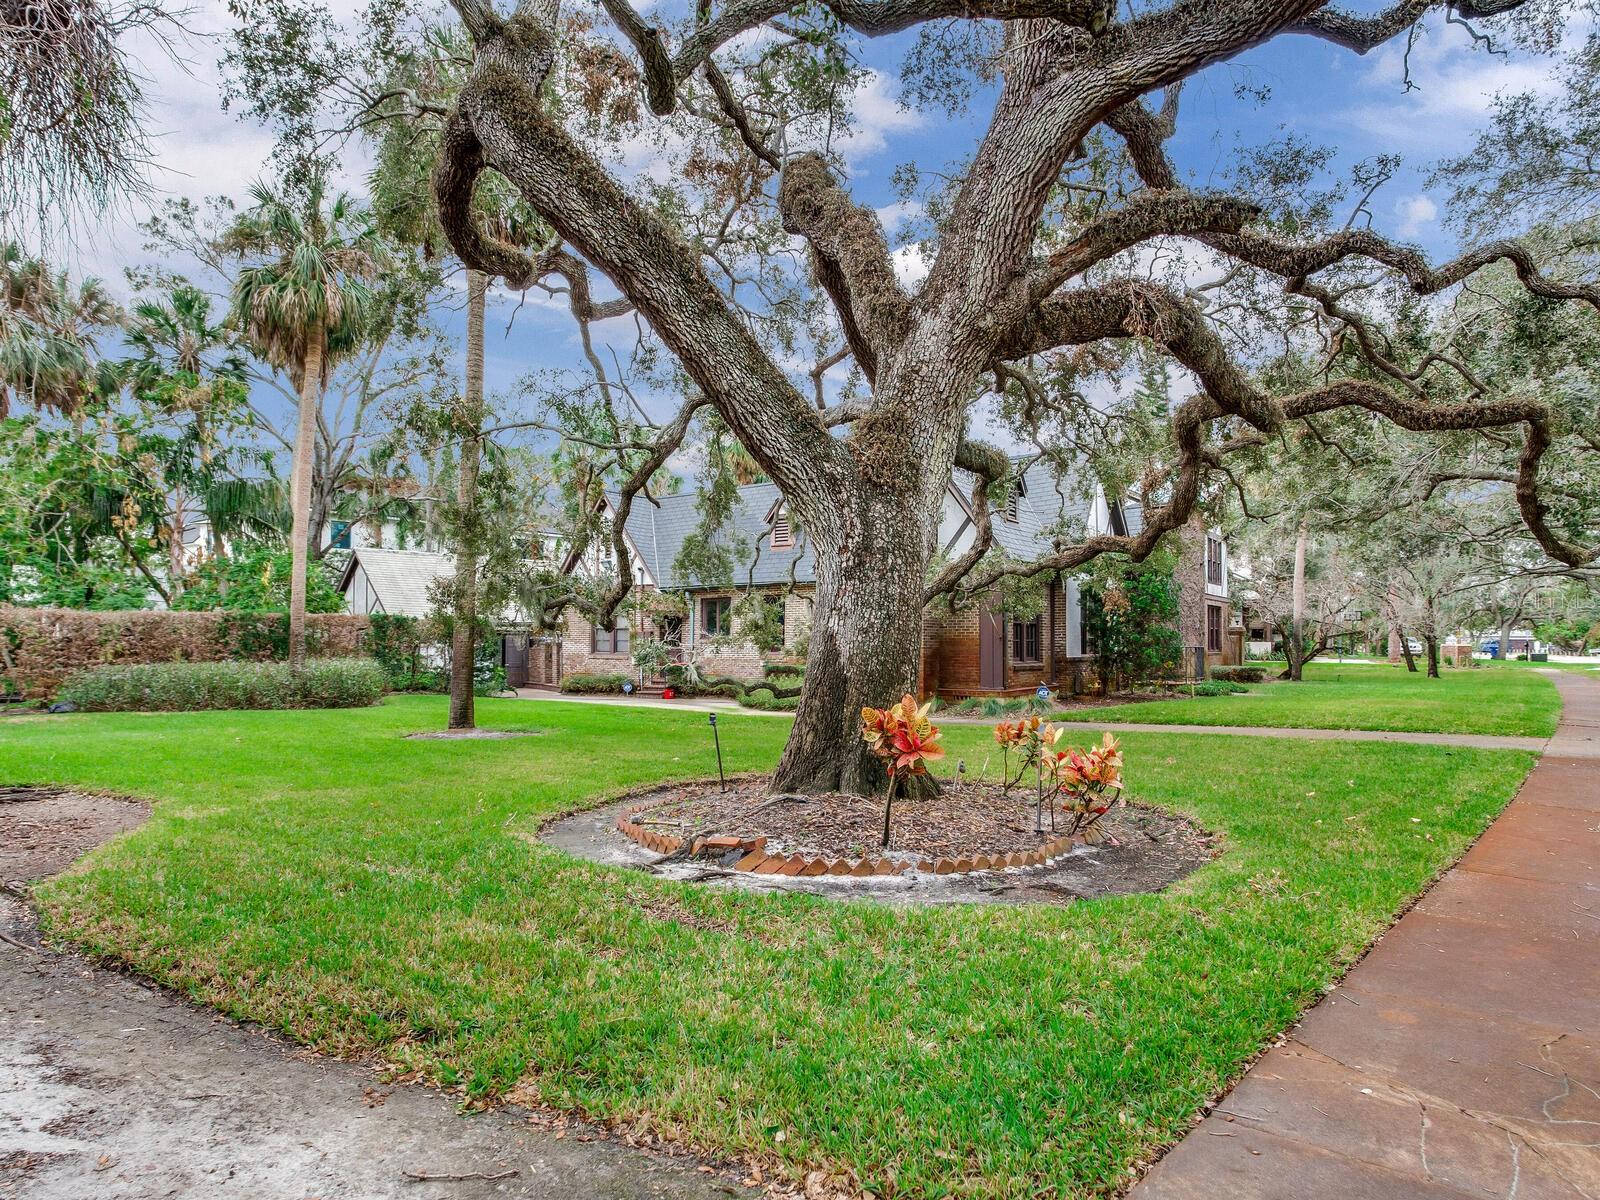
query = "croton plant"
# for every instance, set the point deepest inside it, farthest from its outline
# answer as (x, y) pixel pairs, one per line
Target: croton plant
(1079, 781)
(907, 741)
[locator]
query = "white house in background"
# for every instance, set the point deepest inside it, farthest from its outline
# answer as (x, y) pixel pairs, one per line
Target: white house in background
(396, 583)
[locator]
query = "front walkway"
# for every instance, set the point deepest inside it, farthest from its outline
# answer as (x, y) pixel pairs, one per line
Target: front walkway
(1474, 741)
(1461, 1056)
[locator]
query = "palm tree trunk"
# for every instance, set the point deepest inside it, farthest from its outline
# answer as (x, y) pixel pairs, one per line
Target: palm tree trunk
(300, 487)
(464, 634)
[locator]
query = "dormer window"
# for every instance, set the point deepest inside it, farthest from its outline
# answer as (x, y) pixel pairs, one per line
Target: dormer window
(1013, 506)
(782, 533)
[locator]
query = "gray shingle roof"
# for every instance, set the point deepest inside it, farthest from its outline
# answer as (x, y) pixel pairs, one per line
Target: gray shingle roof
(658, 531)
(1052, 504)
(401, 578)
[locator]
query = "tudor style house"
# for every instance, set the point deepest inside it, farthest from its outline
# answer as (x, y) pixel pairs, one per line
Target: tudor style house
(979, 650)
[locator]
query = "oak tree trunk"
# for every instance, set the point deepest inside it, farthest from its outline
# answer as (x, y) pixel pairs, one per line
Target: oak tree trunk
(300, 497)
(464, 633)
(1503, 647)
(1432, 642)
(866, 641)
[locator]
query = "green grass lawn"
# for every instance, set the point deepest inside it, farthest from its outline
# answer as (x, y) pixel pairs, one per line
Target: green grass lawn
(1490, 700)
(317, 873)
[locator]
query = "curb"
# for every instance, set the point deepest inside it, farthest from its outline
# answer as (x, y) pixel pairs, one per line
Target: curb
(755, 858)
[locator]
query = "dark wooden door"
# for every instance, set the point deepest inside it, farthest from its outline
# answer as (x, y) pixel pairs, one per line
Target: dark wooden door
(514, 657)
(991, 650)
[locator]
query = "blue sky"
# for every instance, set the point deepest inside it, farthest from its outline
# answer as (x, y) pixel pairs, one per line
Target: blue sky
(1317, 91)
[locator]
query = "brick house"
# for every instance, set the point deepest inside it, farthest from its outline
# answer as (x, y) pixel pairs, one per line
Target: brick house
(973, 651)
(1206, 615)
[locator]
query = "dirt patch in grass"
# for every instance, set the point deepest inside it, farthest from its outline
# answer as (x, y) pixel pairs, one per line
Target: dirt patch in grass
(962, 820)
(472, 735)
(44, 830)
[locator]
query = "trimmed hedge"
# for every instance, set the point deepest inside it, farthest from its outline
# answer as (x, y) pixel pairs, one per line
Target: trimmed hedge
(1239, 674)
(44, 646)
(187, 687)
(594, 685)
(764, 701)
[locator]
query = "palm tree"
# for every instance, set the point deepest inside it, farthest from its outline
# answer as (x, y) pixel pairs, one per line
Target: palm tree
(191, 372)
(48, 333)
(302, 305)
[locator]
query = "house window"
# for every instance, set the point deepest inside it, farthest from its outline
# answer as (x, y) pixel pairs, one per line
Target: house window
(1214, 560)
(341, 535)
(1025, 642)
(1214, 628)
(716, 616)
(782, 535)
(1013, 507)
(609, 641)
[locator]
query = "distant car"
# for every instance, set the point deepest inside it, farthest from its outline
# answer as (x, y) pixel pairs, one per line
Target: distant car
(1414, 646)
(1490, 648)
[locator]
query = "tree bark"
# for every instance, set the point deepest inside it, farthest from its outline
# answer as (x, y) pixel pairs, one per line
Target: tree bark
(300, 490)
(1432, 642)
(1503, 646)
(866, 641)
(464, 633)
(1297, 622)
(1405, 646)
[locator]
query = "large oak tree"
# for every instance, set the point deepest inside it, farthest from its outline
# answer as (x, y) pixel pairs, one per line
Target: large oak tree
(1009, 280)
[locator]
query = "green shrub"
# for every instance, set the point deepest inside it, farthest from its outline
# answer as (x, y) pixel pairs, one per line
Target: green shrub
(765, 701)
(593, 685)
(420, 681)
(1239, 674)
(1207, 687)
(773, 670)
(184, 686)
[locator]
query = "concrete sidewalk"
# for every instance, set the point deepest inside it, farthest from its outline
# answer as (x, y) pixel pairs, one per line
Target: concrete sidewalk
(1461, 1057)
(1473, 741)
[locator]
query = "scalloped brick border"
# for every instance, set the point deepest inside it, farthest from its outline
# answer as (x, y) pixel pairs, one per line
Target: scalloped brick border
(758, 861)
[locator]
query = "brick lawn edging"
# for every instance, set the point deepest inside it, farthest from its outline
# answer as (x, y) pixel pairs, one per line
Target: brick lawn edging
(756, 859)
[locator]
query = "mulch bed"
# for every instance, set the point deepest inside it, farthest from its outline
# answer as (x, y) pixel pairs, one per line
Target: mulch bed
(961, 821)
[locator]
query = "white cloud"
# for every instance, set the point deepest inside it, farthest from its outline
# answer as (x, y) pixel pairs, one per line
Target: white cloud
(911, 265)
(877, 117)
(1453, 86)
(1415, 213)
(901, 212)
(198, 149)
